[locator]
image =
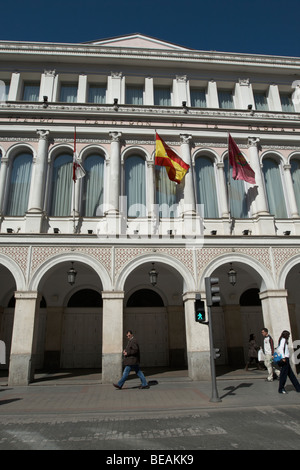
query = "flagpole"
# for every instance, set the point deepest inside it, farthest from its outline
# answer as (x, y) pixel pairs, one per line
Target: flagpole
(74, 181)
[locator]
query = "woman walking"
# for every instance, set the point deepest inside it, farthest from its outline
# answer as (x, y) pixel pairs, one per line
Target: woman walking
(285, 367)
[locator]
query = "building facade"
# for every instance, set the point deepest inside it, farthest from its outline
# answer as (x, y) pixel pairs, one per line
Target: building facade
(125, 218)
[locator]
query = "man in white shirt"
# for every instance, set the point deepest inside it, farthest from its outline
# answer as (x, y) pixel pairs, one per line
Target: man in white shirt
(268, 352)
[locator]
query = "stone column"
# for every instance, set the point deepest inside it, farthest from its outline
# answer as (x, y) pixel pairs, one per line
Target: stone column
(3, 178)
(114, 174)
(23, 345)
(188, 180)
(222, 190)
(197, 341)
(275, 312)
(260, 202)
(290, 191)
(151, 185)
(112, 342)
(37, 187)
(34, 214)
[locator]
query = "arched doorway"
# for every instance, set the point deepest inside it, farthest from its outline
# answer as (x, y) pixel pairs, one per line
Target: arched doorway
(156, 315)
(146, 314)
(7, 306)
(239, 313)
(82, 331)
(73, 326)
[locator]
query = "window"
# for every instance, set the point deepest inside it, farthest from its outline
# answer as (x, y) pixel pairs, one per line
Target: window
(162, 96)
(274, 188)
(206, 186)
(250, 298)
(31, 92)
(225, 99)
(97, 94)
(86, 298)
(295, 171)
(198, 98)
(68, 93)
(145, 298)
(61, 193)
(93, 186)
(135, 186)
(287, 103)
(19, 185)
(261, 102)
(165, 193)
(237, 195)
(134, 95)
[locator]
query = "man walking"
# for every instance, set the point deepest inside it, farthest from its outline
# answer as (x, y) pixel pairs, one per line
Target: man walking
(268, 352)
(131, 362)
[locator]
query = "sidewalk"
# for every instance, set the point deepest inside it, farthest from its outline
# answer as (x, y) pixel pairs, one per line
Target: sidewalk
(65, 395)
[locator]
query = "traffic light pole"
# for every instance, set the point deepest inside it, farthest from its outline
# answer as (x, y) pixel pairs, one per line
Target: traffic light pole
(214, 395)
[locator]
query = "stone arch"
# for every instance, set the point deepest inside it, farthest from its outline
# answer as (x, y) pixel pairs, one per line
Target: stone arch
(206, 152)
(189, 281)
(75, 257)
(135, 150)
(15, 271)
(267, 280)
(285, 269)
(16, 149)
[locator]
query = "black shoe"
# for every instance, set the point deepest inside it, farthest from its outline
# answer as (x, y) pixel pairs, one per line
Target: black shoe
(117, 386)
(283, 391)
(145, 386)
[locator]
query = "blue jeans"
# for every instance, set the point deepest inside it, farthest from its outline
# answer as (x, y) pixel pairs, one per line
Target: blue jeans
(138, 372)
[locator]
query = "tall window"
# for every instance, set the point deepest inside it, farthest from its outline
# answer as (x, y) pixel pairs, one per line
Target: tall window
(237, 195)
(93, 186)
(134, 95)
(286, 103)
(135, 186)
(61, 187)
(97, 94)
(31, 92)
(19, 185)
(68, 93)
(206, 186)
(165, 193)
(295, 171)
(274, 188)
(198, 98)
(162, 96)
(261, 102)
(225, 99)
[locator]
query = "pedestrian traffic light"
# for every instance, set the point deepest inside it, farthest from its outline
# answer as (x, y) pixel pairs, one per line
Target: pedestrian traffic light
(211, 290)
(217, 353)
(200, 311)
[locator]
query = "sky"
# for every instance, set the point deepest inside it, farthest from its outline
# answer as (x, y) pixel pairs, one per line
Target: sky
(268, 27)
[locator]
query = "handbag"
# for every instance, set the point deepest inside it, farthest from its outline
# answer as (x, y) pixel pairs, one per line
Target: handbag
(260, 355)
(277, 357)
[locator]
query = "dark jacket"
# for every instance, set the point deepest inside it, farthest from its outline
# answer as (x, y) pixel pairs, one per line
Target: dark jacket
(133, 353)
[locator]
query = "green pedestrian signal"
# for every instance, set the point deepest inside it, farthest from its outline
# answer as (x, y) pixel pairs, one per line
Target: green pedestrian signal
(200, 311)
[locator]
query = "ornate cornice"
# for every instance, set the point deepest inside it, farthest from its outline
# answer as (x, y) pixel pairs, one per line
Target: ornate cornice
(80, 50)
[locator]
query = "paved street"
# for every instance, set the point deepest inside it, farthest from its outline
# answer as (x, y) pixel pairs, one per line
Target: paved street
(175, 414)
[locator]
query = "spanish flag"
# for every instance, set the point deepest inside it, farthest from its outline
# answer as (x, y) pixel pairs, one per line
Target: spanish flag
(164, 156)
(240, 168)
